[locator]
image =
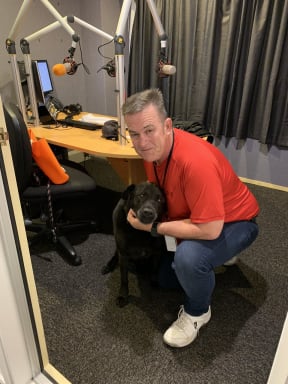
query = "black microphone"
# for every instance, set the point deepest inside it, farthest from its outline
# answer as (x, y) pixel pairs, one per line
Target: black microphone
(109, 68)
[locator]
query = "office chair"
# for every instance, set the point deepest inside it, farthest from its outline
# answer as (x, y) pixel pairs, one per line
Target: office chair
(47, 209)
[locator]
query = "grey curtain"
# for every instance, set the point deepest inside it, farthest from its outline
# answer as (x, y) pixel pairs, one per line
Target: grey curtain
(232, 64)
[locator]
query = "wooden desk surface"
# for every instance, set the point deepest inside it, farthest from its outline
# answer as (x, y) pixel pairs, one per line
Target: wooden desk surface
(123, 158)
(83, 140)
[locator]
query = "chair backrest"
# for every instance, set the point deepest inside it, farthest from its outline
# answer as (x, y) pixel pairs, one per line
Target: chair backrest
(20, 145)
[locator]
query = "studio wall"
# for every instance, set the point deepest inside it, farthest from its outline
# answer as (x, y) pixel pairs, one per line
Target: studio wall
(96, 92)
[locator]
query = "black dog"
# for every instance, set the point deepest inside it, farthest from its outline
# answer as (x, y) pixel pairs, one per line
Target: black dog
(148, 203)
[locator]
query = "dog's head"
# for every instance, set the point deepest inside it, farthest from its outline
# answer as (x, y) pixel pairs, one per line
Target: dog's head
(147, 201)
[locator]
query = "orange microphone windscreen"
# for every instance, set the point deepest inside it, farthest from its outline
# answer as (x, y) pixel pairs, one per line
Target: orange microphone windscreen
(59, 69)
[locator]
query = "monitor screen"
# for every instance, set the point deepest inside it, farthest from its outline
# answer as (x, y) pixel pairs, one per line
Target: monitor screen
(42, 80)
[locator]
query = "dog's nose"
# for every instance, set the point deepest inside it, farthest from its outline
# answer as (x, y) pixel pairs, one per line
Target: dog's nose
(147, 215)
(148, 212)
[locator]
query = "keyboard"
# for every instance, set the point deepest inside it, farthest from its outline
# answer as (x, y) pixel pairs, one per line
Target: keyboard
(90, 118)
(79, 124)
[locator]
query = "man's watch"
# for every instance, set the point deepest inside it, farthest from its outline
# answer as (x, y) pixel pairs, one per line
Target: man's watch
(154, 232)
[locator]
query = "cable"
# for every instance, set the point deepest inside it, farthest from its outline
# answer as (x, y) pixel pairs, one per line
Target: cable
(103, 45)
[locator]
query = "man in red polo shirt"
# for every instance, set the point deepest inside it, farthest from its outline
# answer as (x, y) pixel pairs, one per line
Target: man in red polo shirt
(210, 212)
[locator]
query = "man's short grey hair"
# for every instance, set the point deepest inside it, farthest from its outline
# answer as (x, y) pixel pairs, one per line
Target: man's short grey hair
(138, 101)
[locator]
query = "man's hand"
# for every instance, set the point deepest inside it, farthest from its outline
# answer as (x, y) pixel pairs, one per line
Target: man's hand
(181, 229)
(135, 223)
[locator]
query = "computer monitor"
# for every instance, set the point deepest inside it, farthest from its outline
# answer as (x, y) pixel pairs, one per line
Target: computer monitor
(42, 80)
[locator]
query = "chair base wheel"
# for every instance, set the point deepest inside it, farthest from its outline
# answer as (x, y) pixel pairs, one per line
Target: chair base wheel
(69, 252)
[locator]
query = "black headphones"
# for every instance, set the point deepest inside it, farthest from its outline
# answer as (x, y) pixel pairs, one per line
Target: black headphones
(72, 109)
(110, 130)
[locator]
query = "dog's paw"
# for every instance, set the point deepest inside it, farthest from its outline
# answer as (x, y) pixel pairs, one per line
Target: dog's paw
(122, 301)
(106, 269)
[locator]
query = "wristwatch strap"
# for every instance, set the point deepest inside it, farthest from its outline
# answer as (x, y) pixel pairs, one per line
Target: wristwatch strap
(154, 232)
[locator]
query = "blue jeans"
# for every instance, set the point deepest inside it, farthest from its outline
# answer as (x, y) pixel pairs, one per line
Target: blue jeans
(192, 265)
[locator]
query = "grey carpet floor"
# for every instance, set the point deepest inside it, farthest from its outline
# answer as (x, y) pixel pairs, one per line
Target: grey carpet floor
(90, 340)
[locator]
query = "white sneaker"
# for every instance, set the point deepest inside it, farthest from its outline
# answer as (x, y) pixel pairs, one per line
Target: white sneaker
(185, 329)
(231, 261)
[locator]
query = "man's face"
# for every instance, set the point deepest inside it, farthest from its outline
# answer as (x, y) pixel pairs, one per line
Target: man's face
(149, 134)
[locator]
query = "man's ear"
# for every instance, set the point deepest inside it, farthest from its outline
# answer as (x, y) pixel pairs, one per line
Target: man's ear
(168, 125)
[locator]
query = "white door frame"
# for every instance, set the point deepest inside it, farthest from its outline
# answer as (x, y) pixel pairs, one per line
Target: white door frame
(23, 352)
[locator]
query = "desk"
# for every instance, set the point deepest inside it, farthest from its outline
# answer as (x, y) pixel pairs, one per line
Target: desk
(123, 158)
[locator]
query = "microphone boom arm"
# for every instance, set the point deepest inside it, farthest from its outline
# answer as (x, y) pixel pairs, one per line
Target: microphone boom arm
(72, 19)
(63, 21)
(24, 44)
(119, 54)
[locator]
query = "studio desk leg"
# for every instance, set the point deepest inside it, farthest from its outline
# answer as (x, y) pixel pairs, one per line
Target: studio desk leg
(131, 171)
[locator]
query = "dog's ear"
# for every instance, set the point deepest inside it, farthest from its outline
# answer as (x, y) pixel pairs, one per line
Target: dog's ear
(127, 192)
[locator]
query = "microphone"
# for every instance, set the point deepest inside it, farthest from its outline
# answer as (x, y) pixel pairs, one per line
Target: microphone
(109, 68)
(165, 70)
(68, 67)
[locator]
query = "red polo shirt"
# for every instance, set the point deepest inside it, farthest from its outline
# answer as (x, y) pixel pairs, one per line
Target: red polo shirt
(201, 184)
